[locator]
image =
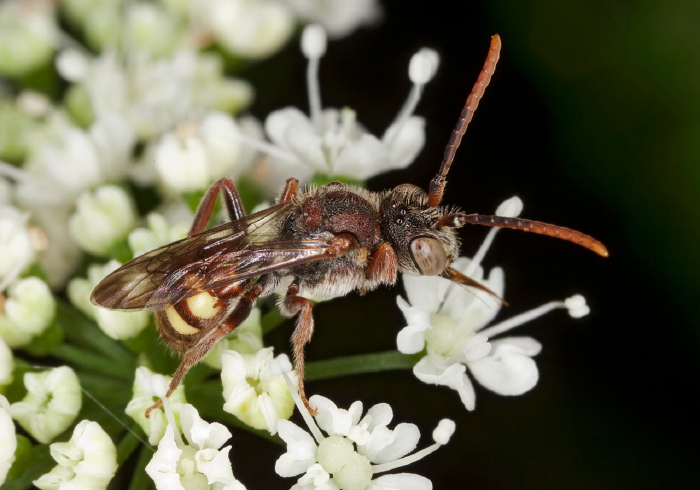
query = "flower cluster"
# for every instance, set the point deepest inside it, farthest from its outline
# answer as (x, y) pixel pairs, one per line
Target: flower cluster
(451, 325)
(111, 163)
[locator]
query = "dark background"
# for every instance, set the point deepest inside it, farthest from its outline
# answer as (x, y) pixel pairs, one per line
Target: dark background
(593, 119)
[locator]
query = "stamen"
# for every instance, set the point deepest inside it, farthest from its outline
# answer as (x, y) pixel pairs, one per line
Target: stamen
(511, 208)
(576, 306)
(421, 70)
(313, 428)
(441, 435)
(313, 45)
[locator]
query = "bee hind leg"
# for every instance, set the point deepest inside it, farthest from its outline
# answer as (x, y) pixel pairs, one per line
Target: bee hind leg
(232, 202)
(293, 305)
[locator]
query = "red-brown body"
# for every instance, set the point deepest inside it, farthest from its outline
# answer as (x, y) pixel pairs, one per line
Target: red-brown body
(316, 243)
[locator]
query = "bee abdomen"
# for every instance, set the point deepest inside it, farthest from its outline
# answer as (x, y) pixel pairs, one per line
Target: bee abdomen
(185, 319)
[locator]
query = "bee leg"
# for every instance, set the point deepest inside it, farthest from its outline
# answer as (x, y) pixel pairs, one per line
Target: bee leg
(290, 190)
(199, 350)
(293, 305)
(383, 266)
(232, 201)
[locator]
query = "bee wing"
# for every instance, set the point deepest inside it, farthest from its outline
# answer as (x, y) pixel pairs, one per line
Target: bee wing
(233, 252)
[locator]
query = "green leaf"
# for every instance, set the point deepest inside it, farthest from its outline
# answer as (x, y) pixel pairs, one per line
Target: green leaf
(85, 333)
(30, 463)
(250, 192)
(94, 362)
(271, 320)
(140, 479)
(120, 251)
(43, 344)
(360, 364)
(130, 442)
(192, 199)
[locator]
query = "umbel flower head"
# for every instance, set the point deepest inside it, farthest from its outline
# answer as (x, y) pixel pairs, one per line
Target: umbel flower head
(330, 142)
(452, 324)
(200, 462)
(355, 448)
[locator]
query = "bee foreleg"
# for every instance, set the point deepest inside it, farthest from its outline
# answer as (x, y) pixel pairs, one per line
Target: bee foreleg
(383, 266)
(293, 305)
(232, 201)
(290, 190)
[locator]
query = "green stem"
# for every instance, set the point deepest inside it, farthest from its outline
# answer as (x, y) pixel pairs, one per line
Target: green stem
(360, 364)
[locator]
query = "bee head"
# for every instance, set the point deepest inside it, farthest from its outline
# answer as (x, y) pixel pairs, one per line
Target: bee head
(423, 243)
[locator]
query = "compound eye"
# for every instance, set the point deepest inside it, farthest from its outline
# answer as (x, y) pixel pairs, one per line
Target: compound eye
(429, 255)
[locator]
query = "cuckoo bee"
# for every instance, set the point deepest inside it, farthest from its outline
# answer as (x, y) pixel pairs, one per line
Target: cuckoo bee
(324, 242)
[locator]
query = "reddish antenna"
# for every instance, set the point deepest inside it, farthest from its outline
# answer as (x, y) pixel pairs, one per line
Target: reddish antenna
(539, 228)
(437, 185)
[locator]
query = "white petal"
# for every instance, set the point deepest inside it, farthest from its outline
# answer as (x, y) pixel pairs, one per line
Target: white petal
(476, 348)
(301, 450)
(201, 433)
(509, 369)
(330, 418)
(405, 144)
(163, 466)
(386, 445)
(377, 416)
(411, 339)
(9, 445)
(216, 466)
(425, 292)
(401, 481)
(438, 371)
(361, 159)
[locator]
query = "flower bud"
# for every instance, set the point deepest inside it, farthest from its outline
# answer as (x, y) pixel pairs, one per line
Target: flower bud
(101, 219)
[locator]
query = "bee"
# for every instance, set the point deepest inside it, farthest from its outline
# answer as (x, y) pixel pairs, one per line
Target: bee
(322, 242)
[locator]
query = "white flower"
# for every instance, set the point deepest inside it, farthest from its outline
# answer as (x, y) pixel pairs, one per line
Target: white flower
(6, 364)
(158, 233)
(451, 323)
(8, 438)
(197, 153)
(27, 311)
(116, 324)
(52, 402)
(146, 392)
(254, 388)
(250, 29)
(355, 448)
(88, 460)
(18, 244)
(331, 142)
(154, 94)
(199, 463)
(77, 160)
(102, 218)
(28, 35)
(338, 17)
(245, 339)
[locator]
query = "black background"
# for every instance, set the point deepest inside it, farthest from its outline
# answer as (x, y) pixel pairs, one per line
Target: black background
(613, 405)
